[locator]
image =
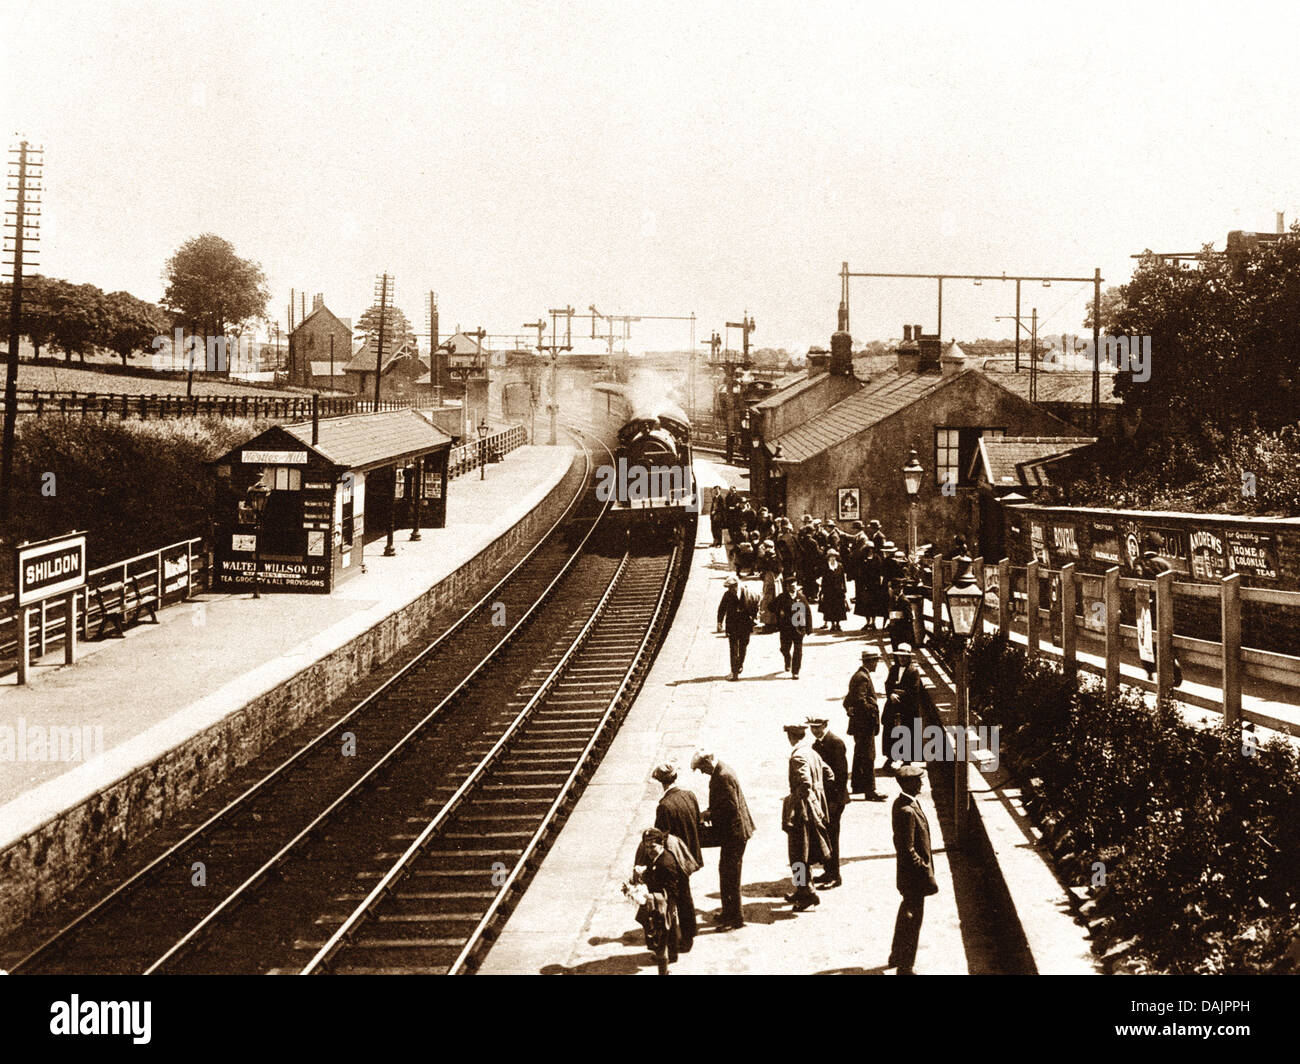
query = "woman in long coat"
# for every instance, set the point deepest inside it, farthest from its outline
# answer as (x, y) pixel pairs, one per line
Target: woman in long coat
(834, 596)
(770, 568)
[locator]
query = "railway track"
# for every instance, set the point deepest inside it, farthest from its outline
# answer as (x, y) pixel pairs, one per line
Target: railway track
(308, 851)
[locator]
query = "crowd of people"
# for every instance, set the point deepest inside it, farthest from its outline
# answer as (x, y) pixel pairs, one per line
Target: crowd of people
(821, 566)
(823, 780)
(779, 576)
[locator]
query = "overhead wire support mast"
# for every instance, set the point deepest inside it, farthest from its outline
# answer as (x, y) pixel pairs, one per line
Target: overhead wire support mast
(1095, 280)
(25, 174)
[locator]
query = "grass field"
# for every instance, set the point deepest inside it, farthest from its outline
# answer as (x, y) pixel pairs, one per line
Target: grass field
(77, 379)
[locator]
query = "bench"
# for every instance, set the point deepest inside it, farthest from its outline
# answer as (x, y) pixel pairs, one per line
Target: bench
(130, 601)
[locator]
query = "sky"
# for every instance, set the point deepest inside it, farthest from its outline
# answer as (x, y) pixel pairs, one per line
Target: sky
(702, 158)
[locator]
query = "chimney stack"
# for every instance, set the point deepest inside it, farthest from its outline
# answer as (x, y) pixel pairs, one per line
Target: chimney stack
(907, 334)
(318, 301)
(842, 353)
(1281, 227)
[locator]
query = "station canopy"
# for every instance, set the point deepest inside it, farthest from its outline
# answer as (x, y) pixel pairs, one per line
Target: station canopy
(367, 441)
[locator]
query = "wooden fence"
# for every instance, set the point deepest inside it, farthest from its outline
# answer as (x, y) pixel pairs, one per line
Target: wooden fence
(1081, 597)
(145, 407)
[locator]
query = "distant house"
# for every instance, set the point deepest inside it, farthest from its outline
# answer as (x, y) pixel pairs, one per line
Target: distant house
(405, 372)
(320, 336)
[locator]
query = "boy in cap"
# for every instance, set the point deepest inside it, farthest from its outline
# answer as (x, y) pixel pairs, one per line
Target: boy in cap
(915, 876)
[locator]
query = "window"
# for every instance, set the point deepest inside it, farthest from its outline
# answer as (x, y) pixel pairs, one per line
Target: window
(954, 450)
(287, 478)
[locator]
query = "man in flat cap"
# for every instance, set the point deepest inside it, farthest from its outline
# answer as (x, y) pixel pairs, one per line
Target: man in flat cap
(793, 619)
(678, 814)
(803, 816)
(732, 826)
(831, 749)
(737, 613)
(864, 725)
(915, 877)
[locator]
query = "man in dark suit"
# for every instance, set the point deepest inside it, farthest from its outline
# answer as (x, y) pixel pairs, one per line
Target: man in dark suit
(793, 619)
(737, 613)
(831, 749)
(907, 700)
(678, 814)
(864, 725)
(915, 868)
(728, 814)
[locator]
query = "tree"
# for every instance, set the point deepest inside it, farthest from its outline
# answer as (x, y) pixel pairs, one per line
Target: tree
(397, 330)
(38, 315)
(129, 324)
(214, 291)
(77, 311)
(1112, 300)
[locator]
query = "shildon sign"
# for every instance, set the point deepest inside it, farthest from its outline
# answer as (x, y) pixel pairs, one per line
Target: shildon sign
(51, 567)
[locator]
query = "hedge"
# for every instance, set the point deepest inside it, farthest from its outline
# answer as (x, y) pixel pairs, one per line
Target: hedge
(1195, 831)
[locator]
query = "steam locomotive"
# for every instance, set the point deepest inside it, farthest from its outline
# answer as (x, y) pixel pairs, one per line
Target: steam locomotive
(651, 482)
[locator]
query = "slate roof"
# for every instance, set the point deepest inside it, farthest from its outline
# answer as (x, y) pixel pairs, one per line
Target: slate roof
(364, 360)
(363, 441)
(1054, 386)
(787, 388)
(887, 394)
(999, 459)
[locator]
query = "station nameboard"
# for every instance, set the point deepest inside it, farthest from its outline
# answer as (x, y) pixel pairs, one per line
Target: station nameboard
(52, 567)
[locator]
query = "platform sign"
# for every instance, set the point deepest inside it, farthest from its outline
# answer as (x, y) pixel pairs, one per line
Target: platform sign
(51, 567)
(1252, 554)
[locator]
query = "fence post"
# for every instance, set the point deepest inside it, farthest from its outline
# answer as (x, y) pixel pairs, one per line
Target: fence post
(1164, 627)
(1230, 601)
(1110, 618)
(936, 593)
(1004, 597)
(1069, 634)
(1033, 623)
(70, 631)
(40, 638)
(23, 617)
(189, 569)
(158, 577)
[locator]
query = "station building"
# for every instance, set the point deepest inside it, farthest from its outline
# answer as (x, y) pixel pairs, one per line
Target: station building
(296, 504)
(834, 445)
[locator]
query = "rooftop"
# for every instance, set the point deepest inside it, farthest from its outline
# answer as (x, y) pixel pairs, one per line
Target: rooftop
(1003, 460)
(362, 441)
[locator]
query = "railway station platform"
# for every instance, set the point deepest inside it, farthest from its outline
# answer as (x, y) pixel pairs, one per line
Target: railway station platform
(573, 918)
(175, 704)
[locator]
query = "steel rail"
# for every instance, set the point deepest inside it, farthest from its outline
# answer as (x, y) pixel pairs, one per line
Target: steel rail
(549, 817)
(381, 889)
(330, 729)
(256, 877)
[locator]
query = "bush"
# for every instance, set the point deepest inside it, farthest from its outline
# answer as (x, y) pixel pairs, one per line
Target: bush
(1200, 842)
(132, 486)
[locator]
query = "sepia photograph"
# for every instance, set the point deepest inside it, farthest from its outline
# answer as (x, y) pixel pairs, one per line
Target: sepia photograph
(560, 487)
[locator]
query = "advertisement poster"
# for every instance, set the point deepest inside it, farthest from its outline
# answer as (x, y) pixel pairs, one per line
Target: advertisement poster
(1209, 559)
(1173, 547)
(1252, 554)
(1064, 546)
(1091, 592)
(1105, 543)
(1038, 543)
(850, 508)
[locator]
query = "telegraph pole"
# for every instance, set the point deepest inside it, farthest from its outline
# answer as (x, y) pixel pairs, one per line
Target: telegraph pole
(383, 293)
(435, 373)
(746, 326)
(555, 347)
(25, 180)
